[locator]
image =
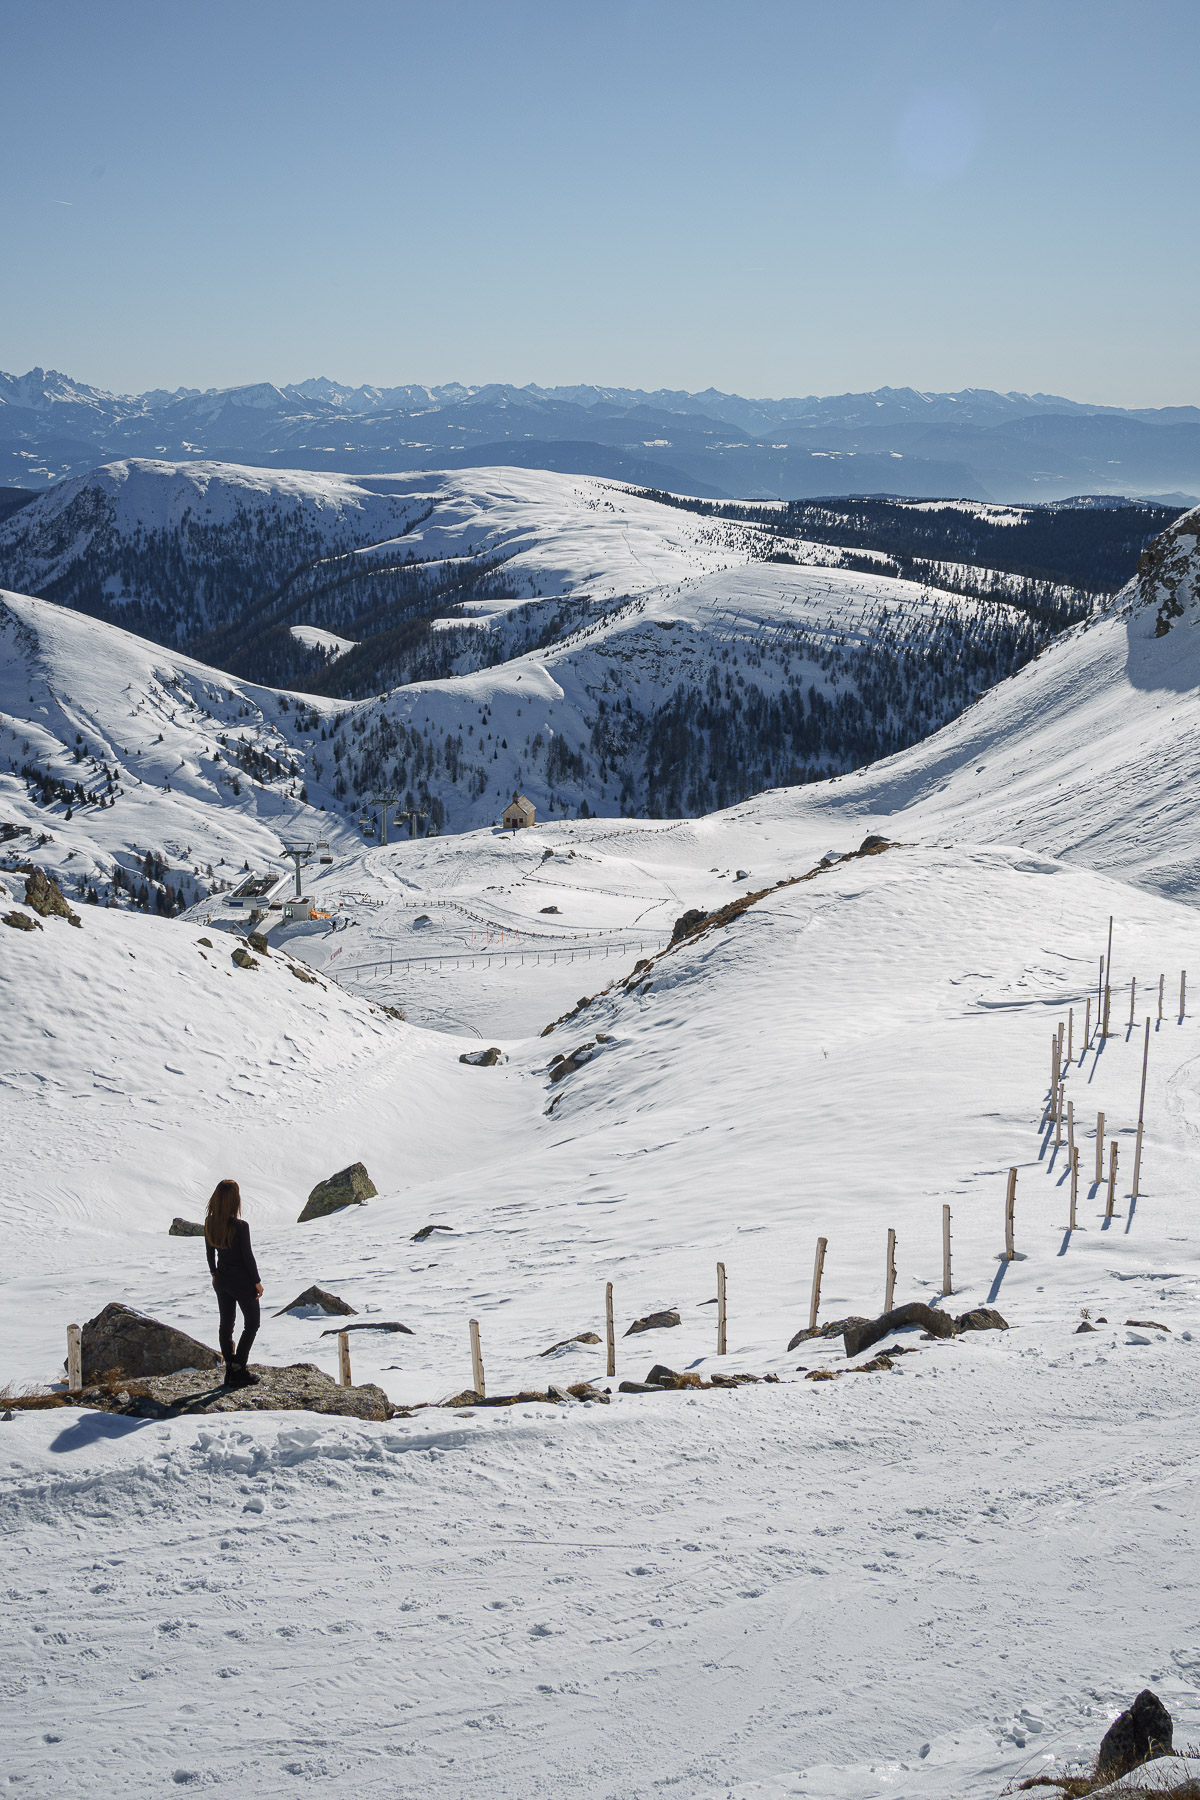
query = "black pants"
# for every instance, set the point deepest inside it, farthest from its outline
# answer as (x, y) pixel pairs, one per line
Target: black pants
(229, 1301)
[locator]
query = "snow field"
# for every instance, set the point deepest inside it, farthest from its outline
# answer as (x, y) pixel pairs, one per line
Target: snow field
(918, 1584)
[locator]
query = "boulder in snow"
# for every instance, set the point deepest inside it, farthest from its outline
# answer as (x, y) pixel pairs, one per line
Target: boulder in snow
(980, 1318)
(481, 1059)
(657, 1321)
(129, 1343)
(582, 1337)
(861, 1337)
(185, 1228)
(317, 1299)
(21, 921)
(349, 1187)
(1141, 1731)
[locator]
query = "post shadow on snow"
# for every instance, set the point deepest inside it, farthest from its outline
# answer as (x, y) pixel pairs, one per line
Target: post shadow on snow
(94, 1428)
(1001, 1272)
(1130, 1213)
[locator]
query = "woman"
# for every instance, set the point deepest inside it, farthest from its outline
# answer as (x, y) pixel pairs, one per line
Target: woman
(234, 1276)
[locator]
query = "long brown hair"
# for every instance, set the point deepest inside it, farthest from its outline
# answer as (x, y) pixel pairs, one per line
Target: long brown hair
(224, 1208)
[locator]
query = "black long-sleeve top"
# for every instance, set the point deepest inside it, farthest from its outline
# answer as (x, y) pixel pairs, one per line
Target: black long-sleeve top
(234, 1268)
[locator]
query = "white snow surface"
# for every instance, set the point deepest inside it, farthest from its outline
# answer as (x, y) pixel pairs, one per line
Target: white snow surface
(313, 638)
(923, 1582)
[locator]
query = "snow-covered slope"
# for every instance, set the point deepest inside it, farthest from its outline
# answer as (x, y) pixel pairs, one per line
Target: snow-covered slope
(597, 649)
(1089, 753)
(674, 1588)
(111, 747)
(925, 1582)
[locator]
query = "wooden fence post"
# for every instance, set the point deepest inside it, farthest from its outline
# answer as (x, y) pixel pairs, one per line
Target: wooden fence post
(610, 1335)
(1074, 1184)
(1161, 979)
(1099, 1148)
(946, 1286)
(1107, 1004)
(1010, 1217)
(818, 1265)
(344, 1359)
(1112, 1178)
(1058, 1115)
(1132, 999)
(1070, 1036)
(74, 1359)
(889, 1285)
(720, 1309)
(1182, 995)
(477, 1362)
(1137, 1155)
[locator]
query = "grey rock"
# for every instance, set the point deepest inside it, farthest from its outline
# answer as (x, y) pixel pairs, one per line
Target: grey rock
(349, 1187)
(370, 1325)
(185, 1228)
(980, 1318)
(1141, 1731)
(567, 1065)
(688, 923)
(1086, 1326)
(319, 1297)
(861, 1337)
(21, 921)
(658, 1321)
(121, 1342)
(481, 1059)
(299, 1388)
(418, 1237)
(243, 959)
(835, 1328)
(871, 843)
(581, 1337)
(556, 1392)
(641, 1387)
(661, 1373)
(584, 1390)
(550, 909)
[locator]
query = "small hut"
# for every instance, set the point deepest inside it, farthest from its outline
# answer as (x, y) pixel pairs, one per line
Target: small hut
(518, 813)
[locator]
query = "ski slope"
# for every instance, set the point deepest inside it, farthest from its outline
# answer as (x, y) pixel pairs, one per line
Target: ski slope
(927, 1582)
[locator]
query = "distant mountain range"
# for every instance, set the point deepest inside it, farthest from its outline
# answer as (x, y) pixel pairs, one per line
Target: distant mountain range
(976, 444)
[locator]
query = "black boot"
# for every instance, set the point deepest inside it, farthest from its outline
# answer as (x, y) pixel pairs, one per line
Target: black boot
(243, 1377)
(230, 1372)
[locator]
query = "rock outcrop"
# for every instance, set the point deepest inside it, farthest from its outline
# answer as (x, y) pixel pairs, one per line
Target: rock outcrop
(185, 1228)
(481, 1059)
(122, 1342)
(301, 1387)
(43, 895)
(349, 1187)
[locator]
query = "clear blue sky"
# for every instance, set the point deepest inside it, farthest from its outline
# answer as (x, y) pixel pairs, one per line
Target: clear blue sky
(775, 198)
